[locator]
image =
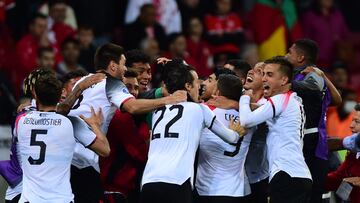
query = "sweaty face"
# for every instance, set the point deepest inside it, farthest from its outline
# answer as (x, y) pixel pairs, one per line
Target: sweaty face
(273, 80)
(210, 87)
(193, 89)
(144, 75)
(47, 60)
(355, 123)
(254, 78)
(132, 85)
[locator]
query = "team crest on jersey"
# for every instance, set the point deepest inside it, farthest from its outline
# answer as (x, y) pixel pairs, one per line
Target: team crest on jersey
(125, 90)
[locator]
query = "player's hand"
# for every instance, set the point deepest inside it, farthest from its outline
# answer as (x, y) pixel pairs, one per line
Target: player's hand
(91, 80)
(314, 69)
(95, 120)
(24, 104)
(355, 181)
(162, 60)
(223, 102)
(235, 126)
(177, 97)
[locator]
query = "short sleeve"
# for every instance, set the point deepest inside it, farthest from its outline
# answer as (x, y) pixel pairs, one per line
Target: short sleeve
(209, 116)
(117, 92)
(82, 131)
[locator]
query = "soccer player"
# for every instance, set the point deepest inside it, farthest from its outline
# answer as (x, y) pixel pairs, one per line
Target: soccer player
(109, 94)
(46, 144)
(175, 137)
(220, 172)
(139, 62)
(290, 178)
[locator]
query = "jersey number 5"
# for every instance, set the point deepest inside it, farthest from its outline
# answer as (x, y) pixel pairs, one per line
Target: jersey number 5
(168, 125)
(41, 144)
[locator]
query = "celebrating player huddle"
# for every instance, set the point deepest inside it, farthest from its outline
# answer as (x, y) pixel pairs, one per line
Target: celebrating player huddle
(244, 138)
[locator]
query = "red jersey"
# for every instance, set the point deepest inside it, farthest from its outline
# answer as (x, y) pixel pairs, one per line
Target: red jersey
(128, 155)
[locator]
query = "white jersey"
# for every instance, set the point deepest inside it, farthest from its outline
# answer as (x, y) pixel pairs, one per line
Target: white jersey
(175, 138)
(46, 145)
(285, 117)
(220, 170)
(109, 95)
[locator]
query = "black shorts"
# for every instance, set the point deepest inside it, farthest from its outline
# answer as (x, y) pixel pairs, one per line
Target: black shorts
(14, 200)
(285, 189)
(259, 192)
(221, 199)
(160, 192)
(86, 185)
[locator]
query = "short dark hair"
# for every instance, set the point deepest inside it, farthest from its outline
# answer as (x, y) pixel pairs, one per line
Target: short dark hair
(220, 70)
(48, 90)
(31, 79)
(85, 27)
(285, 66)
(36, 16)
(173, 36)
(176, 74)
(73, 74)
(230, 86)
(42, 50)
(239, 65)
(357, 107)
(136, 56)
(146, 6)
(107, 53)
(130, 74)
(70, 40)
(309, 48)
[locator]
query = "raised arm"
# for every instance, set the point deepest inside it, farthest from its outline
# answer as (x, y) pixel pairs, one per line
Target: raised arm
(65, 106)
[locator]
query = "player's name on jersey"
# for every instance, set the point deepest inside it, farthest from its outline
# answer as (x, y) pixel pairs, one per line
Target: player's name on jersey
(42, 121)
(228, 116)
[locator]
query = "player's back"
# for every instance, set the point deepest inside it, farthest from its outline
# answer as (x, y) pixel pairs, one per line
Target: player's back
(221, 165)
(46, 144)
(175, 137)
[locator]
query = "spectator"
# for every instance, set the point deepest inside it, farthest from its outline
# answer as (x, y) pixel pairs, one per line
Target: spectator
(339, 75)
(249, 53)
(177, 49)
(167, 12)
(27, 47)
(240, 67)
(338, 122)
(46, 58)
(190, 9)
(69, 14)
(70, 50)
(349, 171)
(224, 31)
(144, 27)
(198, 48)
(87, 48)
(151, 48)
(121, 170)
(325, 24)
(59, 30)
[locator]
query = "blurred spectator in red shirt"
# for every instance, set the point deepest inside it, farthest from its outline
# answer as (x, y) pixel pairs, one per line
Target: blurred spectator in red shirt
(46, 58)
(339, 75)
(224, 31)
(325, 24)
(27, 47)
(190, 9)
(198, 48)
(4, 6)
(249, 53)
(128, 140)
(70, 50)
(87, 47)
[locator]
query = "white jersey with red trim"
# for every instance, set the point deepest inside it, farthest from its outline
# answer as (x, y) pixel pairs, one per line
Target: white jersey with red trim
(175, 138)
(285, 117)
(109, 95)
(220, 170)
(46, 145)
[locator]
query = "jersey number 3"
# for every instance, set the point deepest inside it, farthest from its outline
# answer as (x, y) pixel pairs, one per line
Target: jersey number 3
(41, 144)
(168, 125)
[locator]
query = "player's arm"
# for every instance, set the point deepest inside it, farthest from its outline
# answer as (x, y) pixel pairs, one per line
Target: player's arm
(100, 145)
(250, 118)
(231, 135)
(65, 106)
(352, 143)
(139, 106)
